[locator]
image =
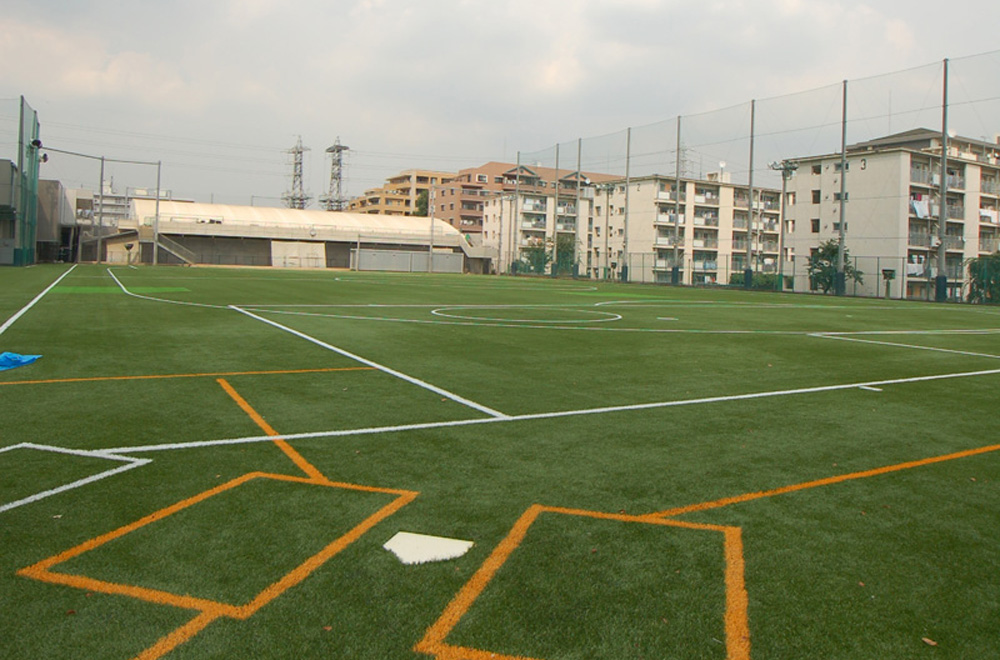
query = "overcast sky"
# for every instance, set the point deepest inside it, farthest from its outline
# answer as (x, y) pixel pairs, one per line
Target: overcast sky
(218, 89)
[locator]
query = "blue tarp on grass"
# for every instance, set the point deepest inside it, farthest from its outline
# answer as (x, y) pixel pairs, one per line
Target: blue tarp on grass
(12, 360)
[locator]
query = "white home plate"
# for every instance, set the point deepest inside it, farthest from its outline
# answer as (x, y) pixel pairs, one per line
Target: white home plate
(412, 548)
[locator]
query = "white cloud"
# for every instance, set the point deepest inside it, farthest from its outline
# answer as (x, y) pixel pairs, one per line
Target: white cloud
(57, 63)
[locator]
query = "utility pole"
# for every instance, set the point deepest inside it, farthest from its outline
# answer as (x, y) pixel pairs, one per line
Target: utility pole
(748, 266)
(555, 216)
(840, 284)
(628, 183)
(941, 281)
(675, 268)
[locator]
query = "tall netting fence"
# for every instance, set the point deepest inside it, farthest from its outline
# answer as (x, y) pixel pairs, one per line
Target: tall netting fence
(19, 161)
(766, 186)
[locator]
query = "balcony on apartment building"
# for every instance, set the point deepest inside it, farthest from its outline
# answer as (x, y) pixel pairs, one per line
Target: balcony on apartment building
(566, 209)
(665, 218)
(769, 266)
(989, 216)
(924, 208)
(704, 218)
(670, 196)
(566, 225)
(926, 240)
(989, 244)
(990, 186)
(668, 240)
(665, 261)
(705, 241)
(533, 206)
(924, 177)
(533, 224)
(710, 197)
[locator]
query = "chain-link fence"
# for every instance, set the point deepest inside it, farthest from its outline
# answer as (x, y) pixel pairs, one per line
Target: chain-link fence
(744, 203)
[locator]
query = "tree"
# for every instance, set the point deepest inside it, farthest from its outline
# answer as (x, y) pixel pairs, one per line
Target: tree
(984, 279)
(822, 267)
(534, 259)
(421, 209)
(565, 259)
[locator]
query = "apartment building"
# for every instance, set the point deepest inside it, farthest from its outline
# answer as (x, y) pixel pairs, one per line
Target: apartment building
(893, 206)
(398, 196)
(699, 226)
(380, 201)
(541, 207)
(460, 201)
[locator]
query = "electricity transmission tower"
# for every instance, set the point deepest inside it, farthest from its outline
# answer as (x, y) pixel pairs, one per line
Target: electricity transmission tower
(296, 198)
(334, 200)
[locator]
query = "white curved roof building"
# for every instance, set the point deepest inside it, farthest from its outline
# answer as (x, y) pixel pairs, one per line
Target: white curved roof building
(254, 235)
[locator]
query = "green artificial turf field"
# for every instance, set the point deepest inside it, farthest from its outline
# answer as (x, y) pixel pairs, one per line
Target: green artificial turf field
(206, 463)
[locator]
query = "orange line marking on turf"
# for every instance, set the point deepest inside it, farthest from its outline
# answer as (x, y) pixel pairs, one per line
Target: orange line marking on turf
(296, 457)
(737, 600)
(736, 622)
(747, 497)
(166, 376)
(211, 610)
(179, 636)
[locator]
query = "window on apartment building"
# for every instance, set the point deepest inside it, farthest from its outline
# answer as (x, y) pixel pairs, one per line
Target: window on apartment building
(482, 178)
(817, 169)
(597, 210)
(498, 179)
(836, 196)
(814, 225)
(836, 226)
(836, 167)
(451, 207)
(790, 199)
(816, 196)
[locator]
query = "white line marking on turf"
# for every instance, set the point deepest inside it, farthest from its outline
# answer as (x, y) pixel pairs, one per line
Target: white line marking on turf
(443, 312)
(550, 415)
(376, 365)
(897, 345)
(132, 463)
(870, 388)
(19, 314)
(162, 300)
(525, 326)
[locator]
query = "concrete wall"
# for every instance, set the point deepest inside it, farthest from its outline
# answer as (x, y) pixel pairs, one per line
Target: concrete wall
(298, 254)
(408, 262)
